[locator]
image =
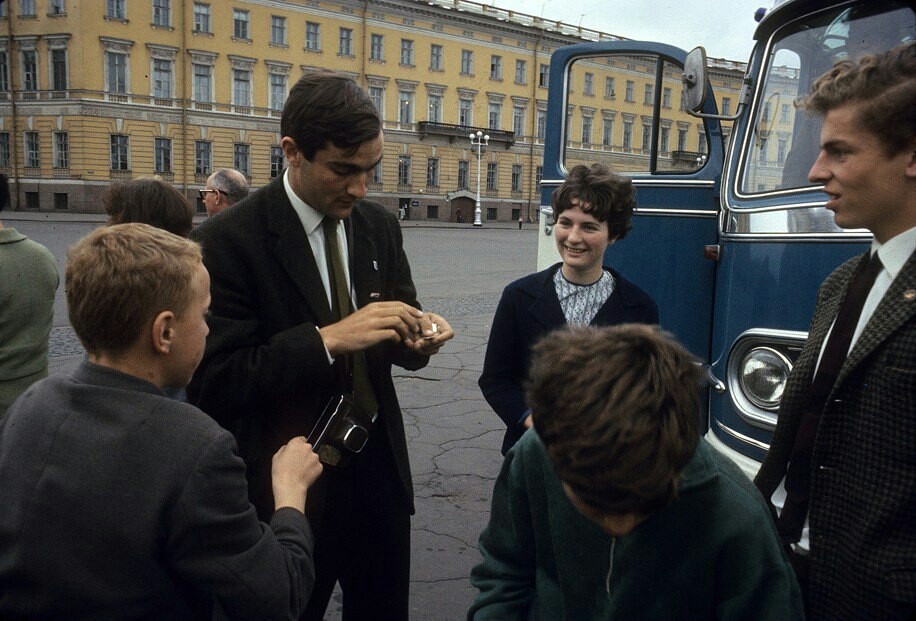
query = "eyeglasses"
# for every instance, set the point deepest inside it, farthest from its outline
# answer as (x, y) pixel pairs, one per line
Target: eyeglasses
(203, 193)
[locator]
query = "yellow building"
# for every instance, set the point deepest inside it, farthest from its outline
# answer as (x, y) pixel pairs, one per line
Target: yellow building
(101, 90)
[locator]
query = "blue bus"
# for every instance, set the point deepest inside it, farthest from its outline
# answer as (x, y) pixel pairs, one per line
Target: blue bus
(729, 237)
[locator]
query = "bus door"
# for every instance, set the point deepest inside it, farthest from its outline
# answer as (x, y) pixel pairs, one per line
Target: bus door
(621, 103)
(778, 243)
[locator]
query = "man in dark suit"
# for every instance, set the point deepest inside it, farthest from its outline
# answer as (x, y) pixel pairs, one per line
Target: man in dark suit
(841, 469)
(312, 297)
(120, 503)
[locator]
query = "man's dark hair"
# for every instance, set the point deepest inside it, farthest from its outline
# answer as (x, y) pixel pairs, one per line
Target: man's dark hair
(149, 201)
(608, 197)
(618, 411)
(883, 86)
(4, 192)
(326, 107)
(234, 186)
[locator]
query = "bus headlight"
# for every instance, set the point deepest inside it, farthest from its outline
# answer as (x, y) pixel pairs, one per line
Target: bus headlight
(762, 375)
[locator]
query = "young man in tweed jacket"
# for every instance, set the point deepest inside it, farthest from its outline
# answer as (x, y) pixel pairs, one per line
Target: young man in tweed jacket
(856, 557)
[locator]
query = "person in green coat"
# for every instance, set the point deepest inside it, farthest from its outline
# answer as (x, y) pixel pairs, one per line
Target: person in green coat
(612, 507)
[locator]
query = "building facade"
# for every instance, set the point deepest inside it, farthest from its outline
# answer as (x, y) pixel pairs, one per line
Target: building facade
(92, 92)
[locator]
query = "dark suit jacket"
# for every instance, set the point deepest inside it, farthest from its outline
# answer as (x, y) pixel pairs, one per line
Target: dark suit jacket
(119, 503)
(265, 374)
(862, 510)
(528, 309)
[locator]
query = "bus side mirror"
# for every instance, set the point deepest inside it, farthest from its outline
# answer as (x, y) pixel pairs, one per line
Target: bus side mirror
(695, 79)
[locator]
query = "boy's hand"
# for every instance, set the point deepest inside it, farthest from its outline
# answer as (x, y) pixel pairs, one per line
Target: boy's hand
(293, 469)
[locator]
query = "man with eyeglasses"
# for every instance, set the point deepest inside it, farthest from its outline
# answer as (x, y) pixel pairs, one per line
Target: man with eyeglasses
(224, 188)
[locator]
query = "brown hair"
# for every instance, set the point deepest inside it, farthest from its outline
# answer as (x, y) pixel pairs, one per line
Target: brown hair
(608, 197)
(326, 107)
(618, 411)
(883, 86)
(151, 201)
(120, 277)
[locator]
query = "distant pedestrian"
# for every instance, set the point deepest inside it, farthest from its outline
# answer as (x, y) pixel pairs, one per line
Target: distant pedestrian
(224, 188)
(28, 280)
(152, 201)
(520, 221)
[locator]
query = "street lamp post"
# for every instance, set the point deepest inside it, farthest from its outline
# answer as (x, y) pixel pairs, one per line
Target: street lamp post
(479, 140)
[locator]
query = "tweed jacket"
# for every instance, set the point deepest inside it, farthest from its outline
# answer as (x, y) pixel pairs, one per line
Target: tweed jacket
(862, 511)
(529, 309)
(265, 374)
(120, 503)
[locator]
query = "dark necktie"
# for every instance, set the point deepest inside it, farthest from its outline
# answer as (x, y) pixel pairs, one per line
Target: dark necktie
(798, 475)
(363, 394)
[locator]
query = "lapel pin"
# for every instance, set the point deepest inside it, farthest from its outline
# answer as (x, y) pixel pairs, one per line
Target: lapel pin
(909, 295)
(375, 295)
(375, 265)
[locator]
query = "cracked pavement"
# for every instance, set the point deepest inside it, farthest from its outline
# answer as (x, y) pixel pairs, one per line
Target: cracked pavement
(453, 435)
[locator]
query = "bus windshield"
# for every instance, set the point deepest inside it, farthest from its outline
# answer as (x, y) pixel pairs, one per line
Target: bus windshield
(784, 140)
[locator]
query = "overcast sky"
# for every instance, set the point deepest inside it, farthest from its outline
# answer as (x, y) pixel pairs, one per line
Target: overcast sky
(724, 27)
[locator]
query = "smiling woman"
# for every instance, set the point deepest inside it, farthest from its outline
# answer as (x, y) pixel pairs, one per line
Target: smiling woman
(593, 208)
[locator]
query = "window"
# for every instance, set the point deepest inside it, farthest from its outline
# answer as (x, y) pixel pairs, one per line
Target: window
(762, 154)
(663, 138)
(649, 95)
(345, 46)
(465, 112)
(241, 88)
(496, 67)
(241, 160)
(162, 78)
(4, 149)
(56, 7)
(538, 175)
(521, 72)
(277, 30)
(464, 168)
(202, 82)
(784, 113)
(404, 170)
(407, 52)
(542, 124)
(681, 139)
(58, 70)
(435, 108)
(631, 91)
(726, 105)
(766, 112)
(27, 8)
(543, 75)
(467, 62)
(432, 212)
(163, 156)
(782, 149)
(375, 176)
(240, 23)
(701, 142)
(516, 177)
(432, 172)
(646, 138)
(201, 17)
(32, 200)
(377, 95)
(3, 6)
(435, 57)
(628, 134)
(4, 71)
(116, 65)
(518, 120)
(494, 117)
(32, 151)
(119, 152)
(666, 97)
(276, 161)
(277, 91)
(491, 213)
(586, 130)
(609, 88)
(405, 107)
(492, 175)
(61, 150)
(117, 9)
(588, 87)
(162, 12)
(312, 36)
(60, 200)
(376, 49)
(516, 213)
(203, 157)
(29, 70)
(607, 133)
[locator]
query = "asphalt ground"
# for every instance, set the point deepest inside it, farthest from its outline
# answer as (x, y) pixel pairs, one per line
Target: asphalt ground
(453, 435)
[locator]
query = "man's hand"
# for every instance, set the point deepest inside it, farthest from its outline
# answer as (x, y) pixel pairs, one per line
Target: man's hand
(293, 469)
(373, 324)
(435, 331)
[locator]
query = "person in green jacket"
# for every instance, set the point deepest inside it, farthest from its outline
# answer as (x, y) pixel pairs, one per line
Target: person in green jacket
(612, 507)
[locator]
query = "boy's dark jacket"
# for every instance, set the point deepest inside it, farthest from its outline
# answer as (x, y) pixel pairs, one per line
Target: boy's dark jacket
(712, 554)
